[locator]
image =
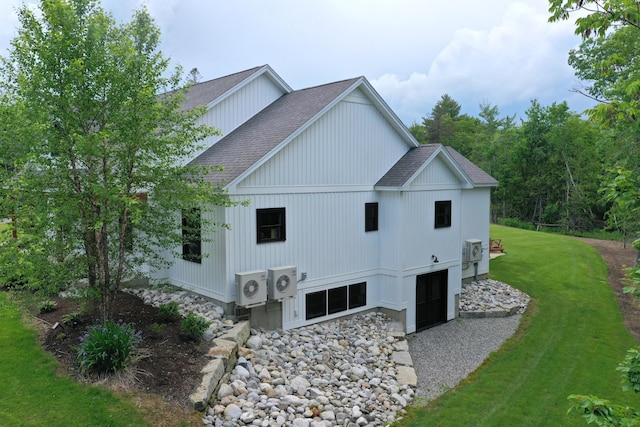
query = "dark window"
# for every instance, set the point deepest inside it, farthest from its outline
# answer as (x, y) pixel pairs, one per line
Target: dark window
(331, 301)
(191, 235)
(316, 304)
(271, 225)
(370, 216)
(443, 214)
(337, 299)
(357, 295)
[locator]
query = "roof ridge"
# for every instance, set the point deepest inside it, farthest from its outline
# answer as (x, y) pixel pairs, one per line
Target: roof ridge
(229, 75)
(354, 79)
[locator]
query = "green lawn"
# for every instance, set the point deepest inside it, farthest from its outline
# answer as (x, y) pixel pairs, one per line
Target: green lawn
(570, 341)
(31, 394)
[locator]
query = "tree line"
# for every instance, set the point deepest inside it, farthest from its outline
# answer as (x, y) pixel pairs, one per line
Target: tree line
(555, 166)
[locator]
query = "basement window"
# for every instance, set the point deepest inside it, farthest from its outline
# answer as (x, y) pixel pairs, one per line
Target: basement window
(357, 295)
(316, 304)
(335, 300)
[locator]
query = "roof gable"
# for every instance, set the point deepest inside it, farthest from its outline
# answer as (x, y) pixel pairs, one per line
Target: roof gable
(416, 160)
(477, 176)
(214, 91)
(252, 143)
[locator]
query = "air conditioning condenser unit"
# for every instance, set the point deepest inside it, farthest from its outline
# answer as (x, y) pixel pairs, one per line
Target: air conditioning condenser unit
(283, 282)
(473, 250)
(251, 288)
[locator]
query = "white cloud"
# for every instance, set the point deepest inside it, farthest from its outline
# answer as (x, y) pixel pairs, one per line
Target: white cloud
(522, 58)
(413, 51)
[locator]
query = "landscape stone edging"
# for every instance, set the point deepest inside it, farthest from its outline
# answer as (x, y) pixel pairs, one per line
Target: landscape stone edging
(503, 311)
(224, 353)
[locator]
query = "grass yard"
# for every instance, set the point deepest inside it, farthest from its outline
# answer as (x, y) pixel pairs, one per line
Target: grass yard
(31, 394)
(570, 341)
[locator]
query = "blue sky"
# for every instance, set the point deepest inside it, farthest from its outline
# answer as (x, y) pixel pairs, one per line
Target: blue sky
(500, 52)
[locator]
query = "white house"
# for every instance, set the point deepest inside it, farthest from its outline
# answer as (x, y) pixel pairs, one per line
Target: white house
(347, 212)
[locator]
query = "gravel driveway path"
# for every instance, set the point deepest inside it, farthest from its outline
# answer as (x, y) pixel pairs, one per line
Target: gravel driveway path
(446, 354)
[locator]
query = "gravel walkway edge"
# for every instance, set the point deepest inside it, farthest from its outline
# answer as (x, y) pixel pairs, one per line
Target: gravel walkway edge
(446, 354)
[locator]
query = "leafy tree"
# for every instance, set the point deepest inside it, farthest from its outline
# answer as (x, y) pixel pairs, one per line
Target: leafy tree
(97, 183)
(608, 57)
(606, 29)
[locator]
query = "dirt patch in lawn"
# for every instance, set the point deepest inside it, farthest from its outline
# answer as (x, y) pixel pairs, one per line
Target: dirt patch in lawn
(161, 381)
(618, 259)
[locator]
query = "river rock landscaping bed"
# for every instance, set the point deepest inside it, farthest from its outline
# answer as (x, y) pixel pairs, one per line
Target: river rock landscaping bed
(350, 371)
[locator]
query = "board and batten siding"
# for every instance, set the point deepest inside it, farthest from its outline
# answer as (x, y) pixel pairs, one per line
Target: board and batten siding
(240, 106)
(436, 175)
(208, 277)
(325, 238)
(325, 235)
(476, 217)
(349, 145)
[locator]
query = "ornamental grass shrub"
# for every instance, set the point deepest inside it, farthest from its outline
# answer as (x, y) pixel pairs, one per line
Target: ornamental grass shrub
(107, 347)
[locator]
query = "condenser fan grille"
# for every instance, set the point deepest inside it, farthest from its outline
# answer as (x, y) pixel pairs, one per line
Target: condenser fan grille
(250, 288)
(283, 282)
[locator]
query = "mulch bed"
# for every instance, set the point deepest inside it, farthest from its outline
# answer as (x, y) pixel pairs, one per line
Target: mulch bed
(171, 364)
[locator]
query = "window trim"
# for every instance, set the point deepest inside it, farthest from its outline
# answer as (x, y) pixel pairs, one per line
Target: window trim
(442, 214)
(281, 225)
(371, 216)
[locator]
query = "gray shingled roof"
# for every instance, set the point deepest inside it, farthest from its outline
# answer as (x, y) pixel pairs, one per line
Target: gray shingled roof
(477, 176)
(415, 158)
(251, 141)
(205, 92)
(404, 168)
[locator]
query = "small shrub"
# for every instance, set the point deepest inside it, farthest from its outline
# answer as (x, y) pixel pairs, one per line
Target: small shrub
(169, 312)
(193, 326)
(72, 319)
(46, 306)
(107, 348)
